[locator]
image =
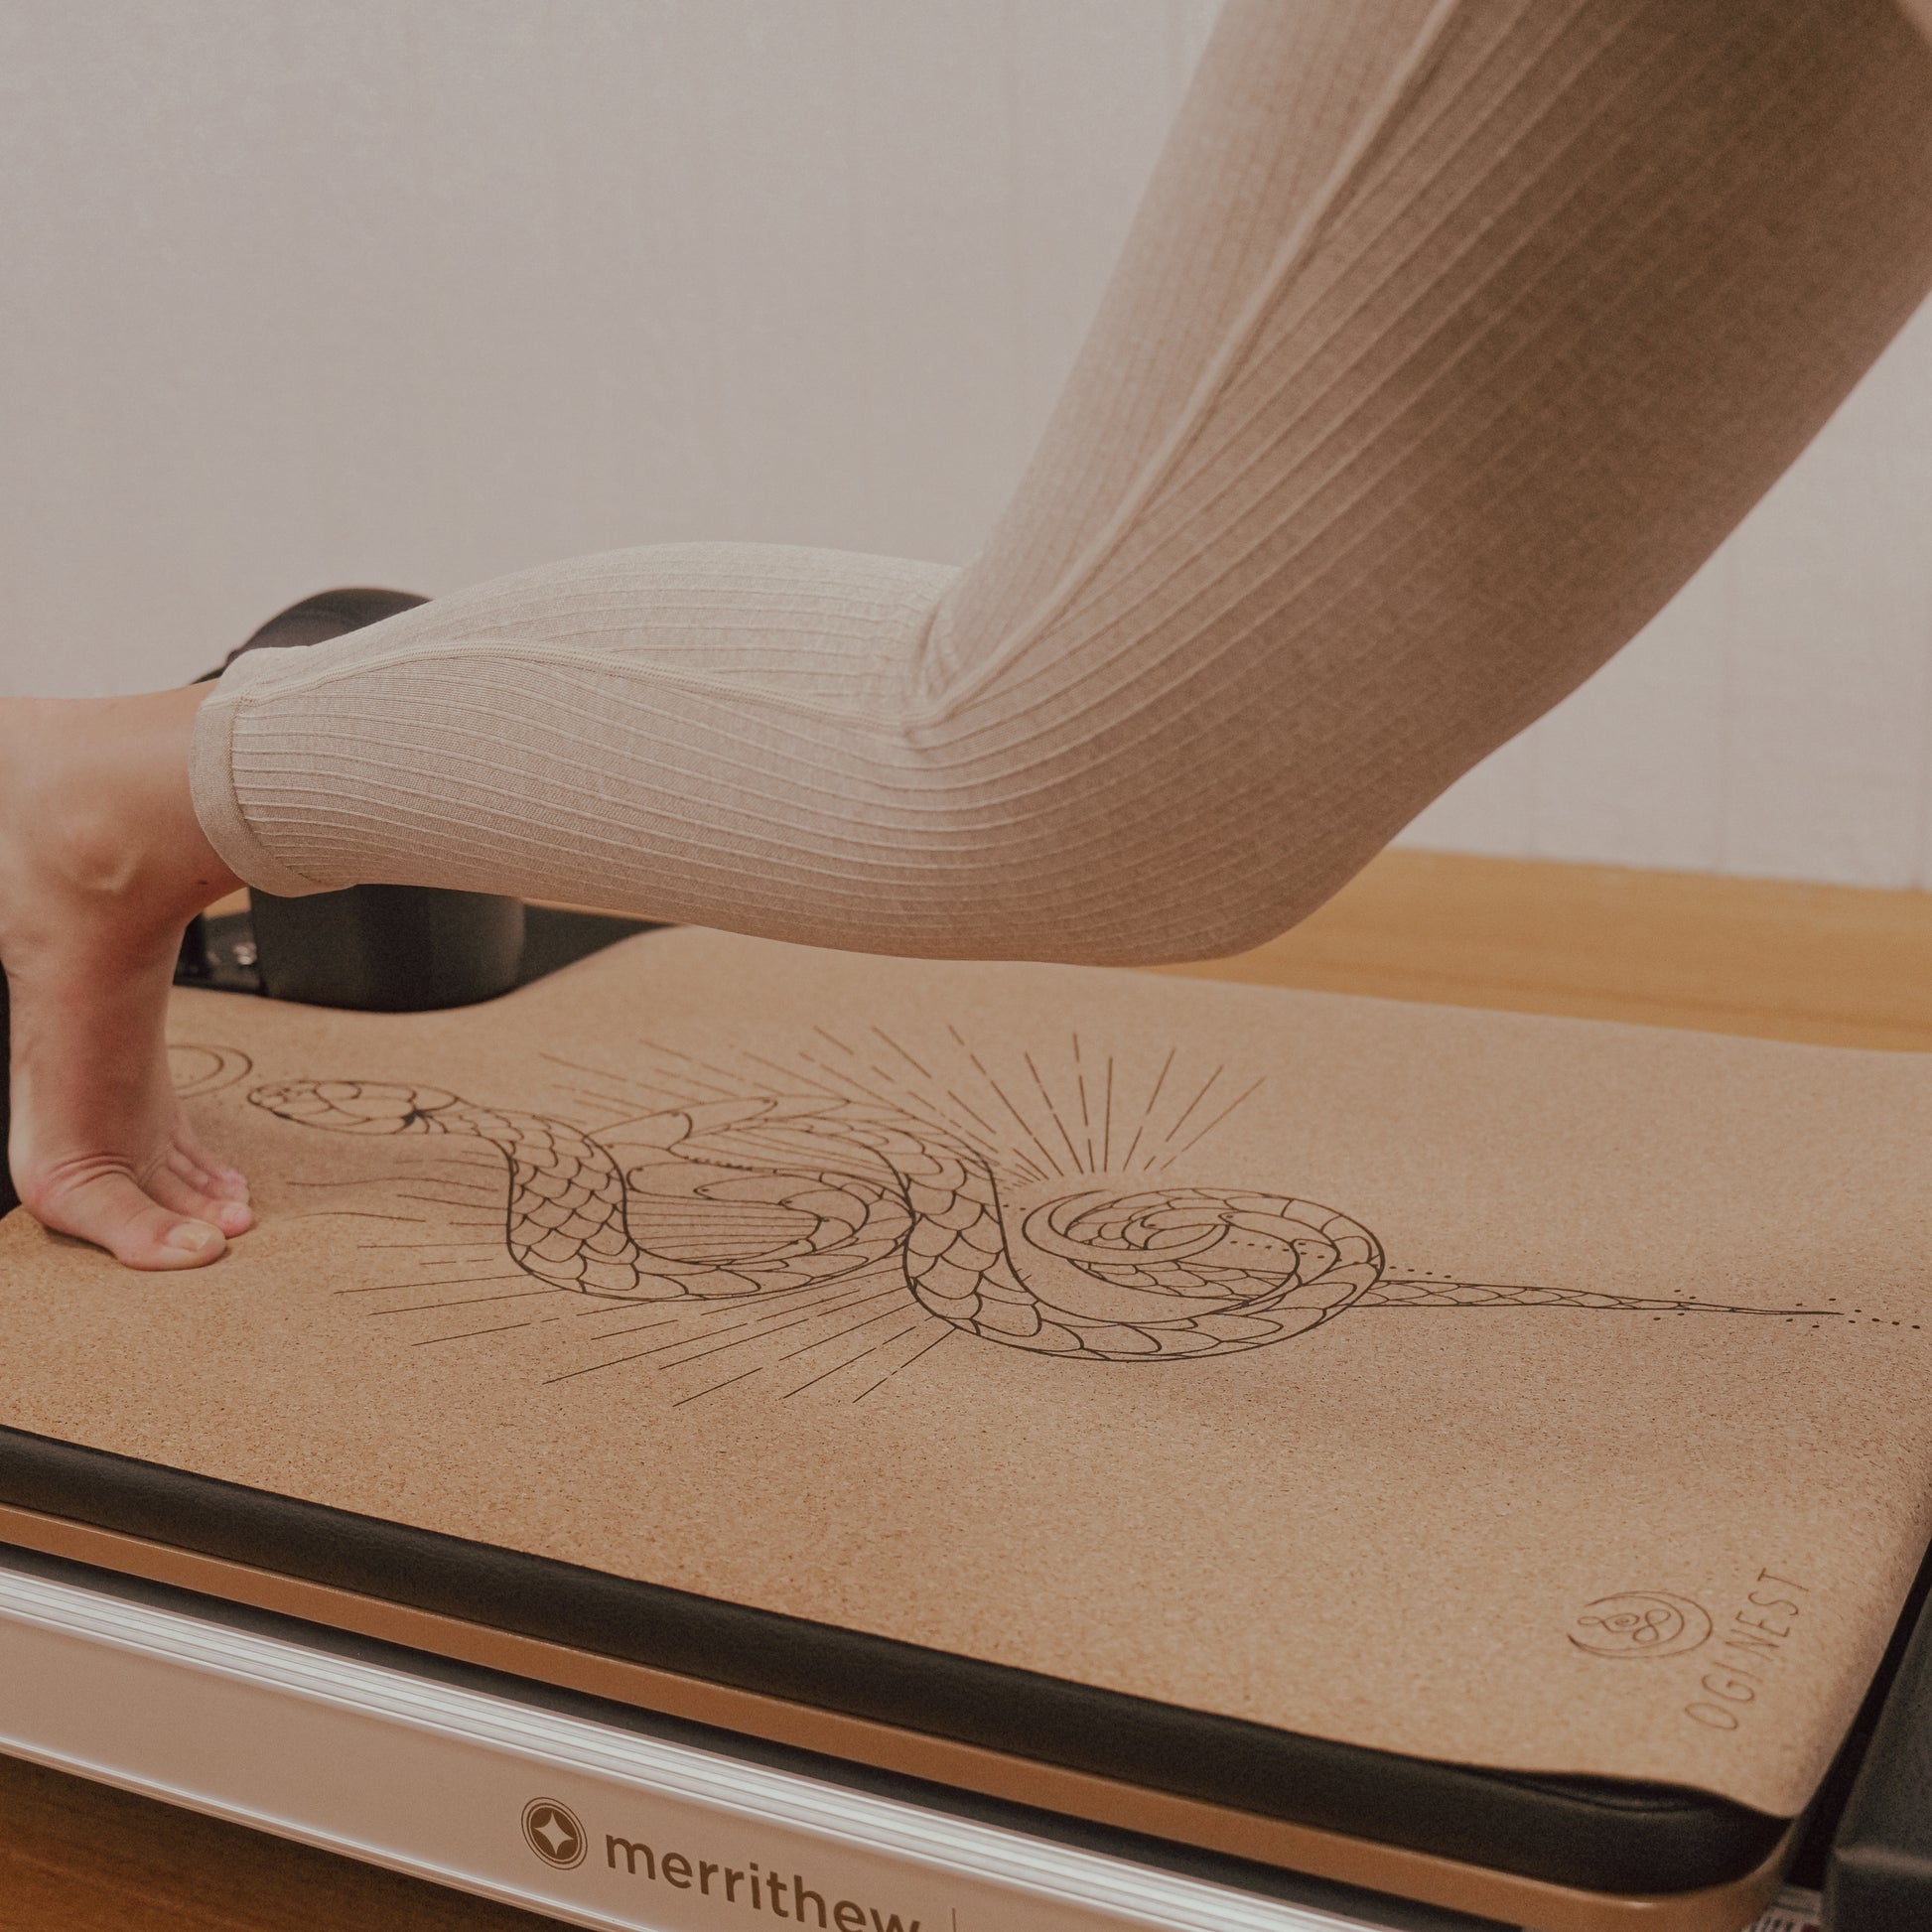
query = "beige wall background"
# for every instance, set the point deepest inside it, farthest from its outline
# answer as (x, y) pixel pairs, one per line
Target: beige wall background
(419, 291)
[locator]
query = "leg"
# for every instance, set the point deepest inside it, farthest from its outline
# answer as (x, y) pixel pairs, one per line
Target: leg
(1453, 335)
(102, 865)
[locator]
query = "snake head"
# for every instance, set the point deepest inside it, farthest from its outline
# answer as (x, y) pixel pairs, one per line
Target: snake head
(356, 1106)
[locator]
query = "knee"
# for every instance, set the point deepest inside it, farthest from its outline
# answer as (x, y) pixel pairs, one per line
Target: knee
(1171, 900)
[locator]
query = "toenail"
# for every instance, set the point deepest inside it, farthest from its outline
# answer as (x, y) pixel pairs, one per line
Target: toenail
(193, 1238)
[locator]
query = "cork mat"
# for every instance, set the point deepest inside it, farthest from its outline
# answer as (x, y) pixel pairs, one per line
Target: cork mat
(1524, 1393)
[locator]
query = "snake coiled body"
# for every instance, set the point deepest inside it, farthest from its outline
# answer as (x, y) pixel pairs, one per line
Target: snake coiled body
(762, 1195)
(776, 1193)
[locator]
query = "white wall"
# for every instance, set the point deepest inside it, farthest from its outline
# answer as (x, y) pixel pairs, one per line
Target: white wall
(419, 291)
(1776, 720)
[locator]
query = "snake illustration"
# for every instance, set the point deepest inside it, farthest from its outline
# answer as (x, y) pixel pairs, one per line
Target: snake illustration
(767, 1194)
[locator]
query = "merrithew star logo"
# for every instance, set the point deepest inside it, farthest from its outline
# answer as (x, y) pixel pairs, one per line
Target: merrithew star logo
(554, 1833)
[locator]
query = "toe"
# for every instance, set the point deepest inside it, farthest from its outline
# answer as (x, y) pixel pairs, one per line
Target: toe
(217, 1184)
(215, 1176)
(112, 1211)
(182, 1195)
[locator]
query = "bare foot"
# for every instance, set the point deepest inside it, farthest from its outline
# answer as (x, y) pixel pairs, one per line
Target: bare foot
(101, 866)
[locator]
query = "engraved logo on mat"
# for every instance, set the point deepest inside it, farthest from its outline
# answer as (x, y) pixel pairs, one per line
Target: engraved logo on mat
(554, 1833)
(1640, 1623)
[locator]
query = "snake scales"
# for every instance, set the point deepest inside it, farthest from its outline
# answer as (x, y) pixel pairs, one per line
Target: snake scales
(731, 1198)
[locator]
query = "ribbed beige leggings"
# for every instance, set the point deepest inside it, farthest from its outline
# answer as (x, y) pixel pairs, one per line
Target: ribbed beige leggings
(1451, 337)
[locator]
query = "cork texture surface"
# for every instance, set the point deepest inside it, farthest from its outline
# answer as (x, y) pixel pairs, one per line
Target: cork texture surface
(1528, 1392)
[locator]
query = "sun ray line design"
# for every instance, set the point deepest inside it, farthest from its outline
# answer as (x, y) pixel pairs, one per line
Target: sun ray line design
(1215, 1121)
(908, 1099)
(616, 1079)
(639, 1085)
(685, 1342)
(921, 1317)
(639, 1355)
(421, 1178)
(652, 1095)
(946, 1334)
(965, 1106)
(1002, 1156)
(910, 1104)
(608, 1304)
(453, 1281)
(793, 1073)
(636, 1329)
(836, 1285)
(593, 1368)
(762, 1322)
(923, 1072)
(851, 1361)
(830, 1091)
(1024, 1126)
(763, 1332)
(430, 1341)
(382, 1247)
(1015, 1157)
(678, 1096)
(999, 1154)
(594, 1086)
(363, 1214)
(930, 1117)
(676, 1311)
(735, 1082)
(807, 1348)
(609, 1103)
(832, 1287)
(419, 1160)
(597, 1093)
(1054, 1114)
(1146, 1111)
(681, 1104)
(708, 1314)
(382, 1180)
(695, 1393)
(466, 1302)
(1166, 1140)
(630, 1120)
(806, 1198)
(1086, 1118)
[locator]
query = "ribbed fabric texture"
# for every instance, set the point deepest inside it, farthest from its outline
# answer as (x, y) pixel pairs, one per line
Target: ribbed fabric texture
(1452, 337)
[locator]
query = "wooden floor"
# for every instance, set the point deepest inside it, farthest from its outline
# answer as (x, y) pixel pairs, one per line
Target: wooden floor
(80, 1858)
(1811, 963)
(1827, 964)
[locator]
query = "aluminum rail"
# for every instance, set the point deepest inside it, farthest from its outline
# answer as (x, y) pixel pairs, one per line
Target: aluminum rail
(592, 1824)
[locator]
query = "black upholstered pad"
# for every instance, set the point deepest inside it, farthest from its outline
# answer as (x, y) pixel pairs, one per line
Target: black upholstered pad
(1598, 1834)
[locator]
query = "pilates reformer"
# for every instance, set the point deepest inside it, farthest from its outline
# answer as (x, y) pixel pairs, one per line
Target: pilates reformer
(620, 1754)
